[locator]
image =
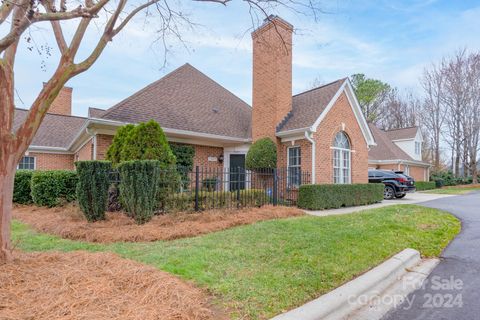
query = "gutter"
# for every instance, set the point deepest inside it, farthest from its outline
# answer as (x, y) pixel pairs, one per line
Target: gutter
(400, 161)
(312, 141)
(114, 123)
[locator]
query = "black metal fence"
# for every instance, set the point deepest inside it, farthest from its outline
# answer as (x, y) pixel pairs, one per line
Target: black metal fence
(202, 188)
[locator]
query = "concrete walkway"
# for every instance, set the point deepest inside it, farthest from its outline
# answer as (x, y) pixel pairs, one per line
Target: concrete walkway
(452, 290)
(411, 198)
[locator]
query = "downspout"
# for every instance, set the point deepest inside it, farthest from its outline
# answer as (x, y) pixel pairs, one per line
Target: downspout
(312, 141)
(94, 138)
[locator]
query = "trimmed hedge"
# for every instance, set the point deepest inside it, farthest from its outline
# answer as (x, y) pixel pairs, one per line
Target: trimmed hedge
(327, 196)
(139, 188)
(53, 188)
(92, 188)
(425, 185)
(22, 187)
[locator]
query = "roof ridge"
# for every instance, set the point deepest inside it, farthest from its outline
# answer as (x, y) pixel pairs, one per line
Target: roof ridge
(401, 128)
(320, 87)
(56, 114)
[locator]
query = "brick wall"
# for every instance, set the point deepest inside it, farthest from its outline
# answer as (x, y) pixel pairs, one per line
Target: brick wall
(203, 152)
(340, 113)
(63, 102)
(103, 142)
(85, 152)
(272, 77)
(52, 161)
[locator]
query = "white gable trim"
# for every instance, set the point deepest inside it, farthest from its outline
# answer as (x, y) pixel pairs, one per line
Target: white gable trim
(357, 111)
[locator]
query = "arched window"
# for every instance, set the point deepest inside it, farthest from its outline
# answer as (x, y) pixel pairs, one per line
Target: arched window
(341, 158)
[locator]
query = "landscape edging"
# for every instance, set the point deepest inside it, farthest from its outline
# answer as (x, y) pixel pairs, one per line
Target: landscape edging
(337, 304)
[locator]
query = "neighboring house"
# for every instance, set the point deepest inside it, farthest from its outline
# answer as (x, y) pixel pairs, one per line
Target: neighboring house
(399, 149)
(321, 131)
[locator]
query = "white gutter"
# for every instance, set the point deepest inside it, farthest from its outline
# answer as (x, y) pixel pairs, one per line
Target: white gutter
(293, 131)
(94, 138)
(400, 161)
(48, 149)
(312, 141)
(166, 130)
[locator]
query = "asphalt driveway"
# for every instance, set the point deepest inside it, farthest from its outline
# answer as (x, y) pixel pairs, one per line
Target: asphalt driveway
(452, 290)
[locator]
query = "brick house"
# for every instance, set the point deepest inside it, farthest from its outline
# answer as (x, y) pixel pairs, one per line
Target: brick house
(322, 130)
(399, 150)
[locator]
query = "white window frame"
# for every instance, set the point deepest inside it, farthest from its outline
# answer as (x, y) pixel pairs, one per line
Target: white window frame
(34, 163)
(418, 147)
(341, 168)
(294, 166)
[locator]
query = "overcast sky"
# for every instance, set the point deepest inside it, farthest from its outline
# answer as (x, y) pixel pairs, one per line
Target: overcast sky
(391, 40)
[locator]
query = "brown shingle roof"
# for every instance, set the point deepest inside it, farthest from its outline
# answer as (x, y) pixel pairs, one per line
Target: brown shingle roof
(307, 106)
(95, 112)
(385, 148)
(405, 133)
(55, 131)
(186, 99)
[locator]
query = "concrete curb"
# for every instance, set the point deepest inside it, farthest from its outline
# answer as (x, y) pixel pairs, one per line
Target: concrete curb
(339, 303)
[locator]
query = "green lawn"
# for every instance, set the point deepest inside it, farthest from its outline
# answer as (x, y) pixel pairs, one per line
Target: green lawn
(260, 270)
(453, 190)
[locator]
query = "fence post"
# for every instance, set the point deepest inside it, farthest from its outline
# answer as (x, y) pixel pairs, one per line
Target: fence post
(239, 179)
(275, 187)
(197, 185)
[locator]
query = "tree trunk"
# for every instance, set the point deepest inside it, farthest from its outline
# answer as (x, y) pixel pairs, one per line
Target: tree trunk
(473, 168)
(7, 174)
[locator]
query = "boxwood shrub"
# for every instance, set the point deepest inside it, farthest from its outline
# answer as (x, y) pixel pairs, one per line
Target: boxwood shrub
(22, 187)
(92, 188)
(53, 188)
(140, 182)
(327, 196)
(425, 185)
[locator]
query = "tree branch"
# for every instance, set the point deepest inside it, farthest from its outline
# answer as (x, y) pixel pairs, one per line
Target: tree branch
(24, 22)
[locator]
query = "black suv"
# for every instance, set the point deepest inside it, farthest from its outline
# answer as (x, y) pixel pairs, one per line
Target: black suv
(395, 184)
(410, 181)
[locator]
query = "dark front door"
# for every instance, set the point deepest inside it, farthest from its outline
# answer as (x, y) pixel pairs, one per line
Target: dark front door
(237, 172)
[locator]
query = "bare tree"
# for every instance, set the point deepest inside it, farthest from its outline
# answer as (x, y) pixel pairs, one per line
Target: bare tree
(17, 16)
(400, 110)
(471, 120)
(433, 111)
(456, 98)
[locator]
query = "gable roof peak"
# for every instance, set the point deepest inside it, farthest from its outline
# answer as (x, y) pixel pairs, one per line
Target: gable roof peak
(186, 99)
(321, 86)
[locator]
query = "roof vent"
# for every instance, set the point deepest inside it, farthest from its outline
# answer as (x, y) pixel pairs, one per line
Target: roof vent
(215, 110)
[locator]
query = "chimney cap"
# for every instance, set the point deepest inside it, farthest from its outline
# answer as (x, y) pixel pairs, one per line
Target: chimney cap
(271, 20)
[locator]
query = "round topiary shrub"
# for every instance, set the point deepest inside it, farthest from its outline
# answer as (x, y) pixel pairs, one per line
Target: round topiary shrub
(262, 155)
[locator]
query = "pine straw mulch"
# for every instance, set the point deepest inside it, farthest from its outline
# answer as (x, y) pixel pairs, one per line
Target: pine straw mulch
(68, 222)
(81, 285)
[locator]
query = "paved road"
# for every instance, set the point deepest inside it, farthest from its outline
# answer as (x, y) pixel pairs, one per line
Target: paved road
(452, 291)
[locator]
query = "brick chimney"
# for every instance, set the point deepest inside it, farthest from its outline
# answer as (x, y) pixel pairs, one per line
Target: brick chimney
(63, 102)
(272, 76)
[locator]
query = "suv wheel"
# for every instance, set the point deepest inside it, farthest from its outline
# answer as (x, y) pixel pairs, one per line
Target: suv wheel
(401, 196)
(388, 193)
